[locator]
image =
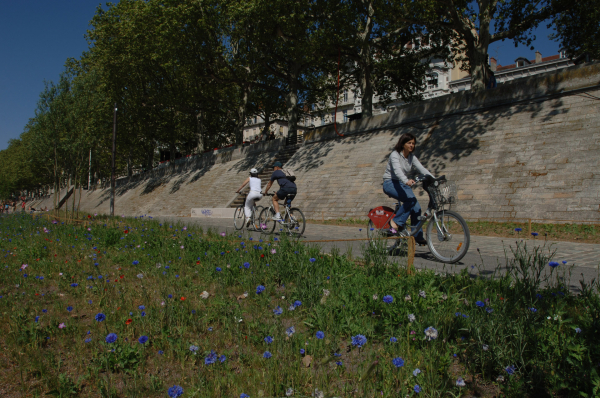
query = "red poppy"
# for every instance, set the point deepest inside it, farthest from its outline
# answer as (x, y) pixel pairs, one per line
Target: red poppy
(89, 216)
(197, 262)
(126, 231)
(121, 276)
(116, 280)
(66, 261)
(118, 308)
(183, 298)
(37, 294)
(262, 256)
(501, 298)
(127, 322)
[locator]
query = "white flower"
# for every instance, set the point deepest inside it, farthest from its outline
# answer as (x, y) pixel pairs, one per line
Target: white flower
(407, 297)
(283, 297)
(204, 295)
(431, 333)
(318, 394)
(325, 292)
(444, 296)
(374, 297)
(500, 379)
(162, 303)
(549, 318)
(422, 293)
(291, 307)
(140, 276)
(289, 392)
(460, 382)
(411, 318)
(245, 294)
(485, 347)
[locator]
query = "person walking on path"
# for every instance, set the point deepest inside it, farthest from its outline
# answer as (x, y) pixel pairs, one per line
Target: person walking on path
(397, 183)
(254, 194)
(286, 187)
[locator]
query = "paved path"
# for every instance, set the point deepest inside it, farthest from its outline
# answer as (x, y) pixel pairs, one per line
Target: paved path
(493, 252)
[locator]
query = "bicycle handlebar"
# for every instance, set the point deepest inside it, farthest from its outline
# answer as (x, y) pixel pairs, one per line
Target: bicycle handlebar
(430, 178)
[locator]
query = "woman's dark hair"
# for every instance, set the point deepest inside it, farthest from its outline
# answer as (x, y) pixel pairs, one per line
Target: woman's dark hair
(404, 138)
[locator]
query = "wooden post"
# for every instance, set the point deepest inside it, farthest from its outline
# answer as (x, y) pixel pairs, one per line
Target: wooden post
(529, 221)
(411, 255)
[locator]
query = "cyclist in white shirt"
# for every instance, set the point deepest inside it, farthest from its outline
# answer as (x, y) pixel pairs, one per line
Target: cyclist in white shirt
(254, 194)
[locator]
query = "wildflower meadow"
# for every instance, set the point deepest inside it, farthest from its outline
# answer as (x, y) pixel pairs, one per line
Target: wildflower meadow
(134, 307)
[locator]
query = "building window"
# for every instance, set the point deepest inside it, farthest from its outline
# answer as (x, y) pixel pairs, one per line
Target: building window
(345, 113)
(562, 54)
(432, 81)
(332, 117)
(345, 95)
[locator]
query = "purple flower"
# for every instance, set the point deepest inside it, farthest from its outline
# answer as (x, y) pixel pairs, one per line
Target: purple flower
(267, 355)
(480, 303)
(100, 317)
(359, 340)
(175, 391)
(143, 339)
(393, 340)
(398, 362)
(268, 339)
(111, 338)
(553, 264)
(417, 389)
(388, 299)
(320, 335)
(312, 260)
(211, 358)
(260, 289)
(278, 310)
(510, 369)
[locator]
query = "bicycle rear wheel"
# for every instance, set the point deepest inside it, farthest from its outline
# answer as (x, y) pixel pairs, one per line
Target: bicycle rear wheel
(239, 218)
(378, 240)
(296, 224)
(448, 238)
(265, 221)
(255, 217)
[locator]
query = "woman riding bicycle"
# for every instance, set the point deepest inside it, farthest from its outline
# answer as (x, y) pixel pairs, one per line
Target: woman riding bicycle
(253, 195)
(397, 184)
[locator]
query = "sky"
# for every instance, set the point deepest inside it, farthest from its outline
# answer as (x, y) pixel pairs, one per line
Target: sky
(37, 37)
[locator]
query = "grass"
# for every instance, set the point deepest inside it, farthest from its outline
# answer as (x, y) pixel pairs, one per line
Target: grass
(222, 316)
(582, 233)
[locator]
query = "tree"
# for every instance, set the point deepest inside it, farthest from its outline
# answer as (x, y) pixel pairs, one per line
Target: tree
(475, 24)
(578, 28)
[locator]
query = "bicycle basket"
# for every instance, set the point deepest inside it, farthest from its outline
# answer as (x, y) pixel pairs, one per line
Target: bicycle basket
(445, 193)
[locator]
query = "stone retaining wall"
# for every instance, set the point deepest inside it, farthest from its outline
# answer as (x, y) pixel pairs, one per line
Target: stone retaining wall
(528, 149)
(205, 181)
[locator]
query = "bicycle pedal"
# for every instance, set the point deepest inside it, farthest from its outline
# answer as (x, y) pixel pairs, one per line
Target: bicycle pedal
(421, 218)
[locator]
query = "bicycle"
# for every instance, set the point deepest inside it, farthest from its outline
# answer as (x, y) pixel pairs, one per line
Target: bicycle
(448, 242)
(240, 220)
(292, 218)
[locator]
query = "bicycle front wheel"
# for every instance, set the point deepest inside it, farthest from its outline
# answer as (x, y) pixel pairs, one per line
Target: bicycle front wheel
(266, 225)
(448, 237)
(239, 218)
(295, 223)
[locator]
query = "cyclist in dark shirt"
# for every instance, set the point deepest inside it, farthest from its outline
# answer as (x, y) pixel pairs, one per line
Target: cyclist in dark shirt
(286, 187)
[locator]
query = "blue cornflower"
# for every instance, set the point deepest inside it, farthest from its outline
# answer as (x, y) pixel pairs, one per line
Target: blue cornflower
(160, 352)
(534, 234)
(302, 351)
(510, 369)
(242, 395)
(290, 331)
(518, 229)
(465, 316)
(111, 338)
(37, 318)
(194, 349)
(416, 372)
(100, 317)
(210, 329)
(268, 339)
(193, 312)
(222, 358)
(359, 340)
(267, 355)
(143, 313)
(489, 310)
(553, 264)
(393, 340)
(417, 389)
(211, 358)
(457, 314)
(136, 262)
(388, 299)
(564, 262)
(143, 339)
(278, 310)
(175, 391)
(69, 308)
(320, 335)
(533, 309)
(74, 284)
(297, 303)
(312, 260)
(577, 330)
(88, 340)
(141, 307)
(398, 362)
(246, 265)
(480, 304)
(339, 363)
(260, 289)
(170, 296)
(44, 310)
(219, 269)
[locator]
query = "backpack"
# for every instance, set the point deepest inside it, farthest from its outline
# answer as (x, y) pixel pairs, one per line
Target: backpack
(289, 175)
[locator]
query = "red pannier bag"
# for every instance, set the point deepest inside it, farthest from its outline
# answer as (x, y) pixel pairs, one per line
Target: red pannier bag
(381, 216)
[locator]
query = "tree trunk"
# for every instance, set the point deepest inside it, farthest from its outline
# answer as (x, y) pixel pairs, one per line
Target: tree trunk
(150, 159)
(365, 79)
(478, 47)
(129, 171)
(267, 127)
(239, 133)
(200, 132)
(291, 101)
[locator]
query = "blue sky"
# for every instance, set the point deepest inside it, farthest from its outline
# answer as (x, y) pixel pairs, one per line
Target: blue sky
(37, 37)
